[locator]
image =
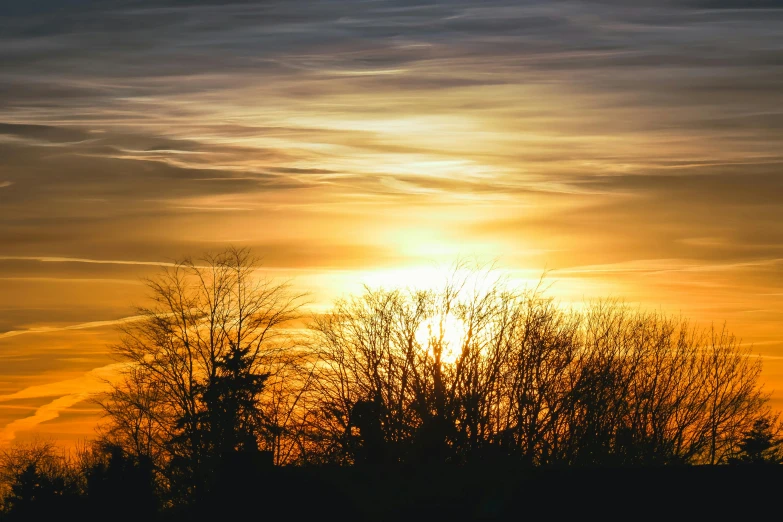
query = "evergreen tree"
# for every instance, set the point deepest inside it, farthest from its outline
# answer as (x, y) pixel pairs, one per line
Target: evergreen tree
(760, 445)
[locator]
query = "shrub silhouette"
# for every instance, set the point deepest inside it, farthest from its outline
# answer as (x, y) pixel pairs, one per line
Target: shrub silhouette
(115, 479)
(40, 484)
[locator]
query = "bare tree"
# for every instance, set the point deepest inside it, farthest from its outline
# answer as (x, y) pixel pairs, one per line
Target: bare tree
(733, 398)
(527, 378)
(204, 368)
(474, 367)
(368, 355)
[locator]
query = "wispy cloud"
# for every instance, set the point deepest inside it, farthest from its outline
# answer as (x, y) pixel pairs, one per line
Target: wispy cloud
(85, 280)
(50, 259)
(71, 392)
(662, 266)
(80, 326)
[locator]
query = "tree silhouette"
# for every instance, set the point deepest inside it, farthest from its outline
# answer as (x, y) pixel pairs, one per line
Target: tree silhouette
(40, 483)
(474, 371)
(366, 416)
(231, 418)
(761, 444)
(230, 422)
(197, 370)
(546, 386)
(115, 478)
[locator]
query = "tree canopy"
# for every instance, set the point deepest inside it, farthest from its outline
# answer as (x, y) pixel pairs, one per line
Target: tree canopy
(225, 375)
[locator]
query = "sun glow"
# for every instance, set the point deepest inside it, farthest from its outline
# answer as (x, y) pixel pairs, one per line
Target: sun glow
(444, 334)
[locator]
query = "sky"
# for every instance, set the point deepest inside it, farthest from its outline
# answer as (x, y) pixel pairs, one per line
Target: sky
(629, 149)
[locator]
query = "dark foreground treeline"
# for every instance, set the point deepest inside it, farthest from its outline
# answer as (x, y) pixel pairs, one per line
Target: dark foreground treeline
(478, 491)
(466, 399)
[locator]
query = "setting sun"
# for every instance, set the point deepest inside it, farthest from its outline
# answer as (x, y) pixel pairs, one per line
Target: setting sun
(445, 335)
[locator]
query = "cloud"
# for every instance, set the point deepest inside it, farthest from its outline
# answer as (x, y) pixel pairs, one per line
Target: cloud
(740, 4)
(50, 259)
(4, 184)
(268, 97)
(71, 392)
(164, 124)
(80, 326)
(663, 266)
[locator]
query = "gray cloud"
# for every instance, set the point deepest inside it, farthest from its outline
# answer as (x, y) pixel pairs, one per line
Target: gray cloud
(141, 73)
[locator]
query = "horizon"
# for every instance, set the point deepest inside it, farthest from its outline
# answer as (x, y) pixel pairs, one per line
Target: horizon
(628, 152)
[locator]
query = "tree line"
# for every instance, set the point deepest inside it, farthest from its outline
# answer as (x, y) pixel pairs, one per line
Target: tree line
(226, 377)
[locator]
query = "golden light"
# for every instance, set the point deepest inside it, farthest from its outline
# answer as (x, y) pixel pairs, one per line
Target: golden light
(446, 334)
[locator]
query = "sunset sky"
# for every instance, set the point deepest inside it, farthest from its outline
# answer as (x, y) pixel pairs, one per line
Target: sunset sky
(632, 149)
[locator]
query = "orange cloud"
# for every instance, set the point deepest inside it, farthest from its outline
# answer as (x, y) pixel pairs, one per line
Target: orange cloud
(71, 392)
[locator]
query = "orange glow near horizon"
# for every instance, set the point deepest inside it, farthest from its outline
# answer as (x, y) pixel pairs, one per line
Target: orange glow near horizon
(56, 403)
